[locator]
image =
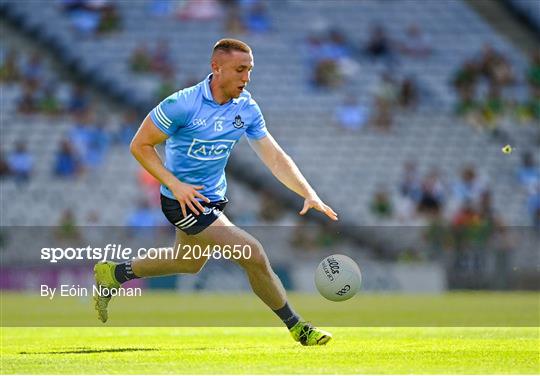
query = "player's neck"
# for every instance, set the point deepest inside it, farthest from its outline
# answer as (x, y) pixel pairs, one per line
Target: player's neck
(217, 93)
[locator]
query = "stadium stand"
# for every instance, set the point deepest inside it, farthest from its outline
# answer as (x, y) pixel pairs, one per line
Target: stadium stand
(295, 113)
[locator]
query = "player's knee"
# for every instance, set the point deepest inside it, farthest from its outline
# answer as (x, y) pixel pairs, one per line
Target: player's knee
(257, 258)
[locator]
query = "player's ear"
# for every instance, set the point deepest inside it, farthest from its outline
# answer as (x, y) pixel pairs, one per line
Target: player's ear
(215, 67)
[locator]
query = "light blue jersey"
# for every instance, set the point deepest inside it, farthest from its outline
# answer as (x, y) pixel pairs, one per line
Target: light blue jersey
(202, 134)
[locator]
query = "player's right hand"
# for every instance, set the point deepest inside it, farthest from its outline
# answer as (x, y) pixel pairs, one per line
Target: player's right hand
(187, 194)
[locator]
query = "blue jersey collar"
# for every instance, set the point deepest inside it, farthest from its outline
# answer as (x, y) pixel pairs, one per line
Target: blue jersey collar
(207, 93)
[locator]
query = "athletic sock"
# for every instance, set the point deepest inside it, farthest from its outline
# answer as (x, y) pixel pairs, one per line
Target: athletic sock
(287, 315)
(124, 273)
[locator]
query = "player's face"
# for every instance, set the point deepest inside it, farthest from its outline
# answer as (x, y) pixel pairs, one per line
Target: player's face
(233, 72)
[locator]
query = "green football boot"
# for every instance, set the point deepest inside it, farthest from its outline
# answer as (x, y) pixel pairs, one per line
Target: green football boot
(308, 335)
(104, 275)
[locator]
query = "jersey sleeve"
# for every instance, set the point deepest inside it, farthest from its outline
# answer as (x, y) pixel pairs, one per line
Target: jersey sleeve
(172, 113)
(256, 128)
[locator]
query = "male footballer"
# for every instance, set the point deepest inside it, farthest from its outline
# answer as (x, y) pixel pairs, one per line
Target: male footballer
(200, 126)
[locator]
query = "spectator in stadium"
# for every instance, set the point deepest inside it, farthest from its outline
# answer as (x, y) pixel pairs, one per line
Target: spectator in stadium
(415, 43)
(9, 67)
(83, 17)
(528, 173)
(33, 71)
(379, 44)
(469, 188)
(141, 59)
(167, 84)
(338, 44)
(385, 97)
(66, 163)
(464, 81)
(233, 19)
(143, 221)
(304, 237)
(144, 215)
(351, 115)
(491, 220)
(529, 110)
(90, 17)
(161, 61)
(432, 194)
(109, 19)
(128, 128)
(533, 74)
(4, 166)
(257, 19)
(327, 74)
(495, 67)
(67, 226)
(198, 10)
(465, 227)
(160, 8)
(27, 104)
(149, 186)
(20, 163)
(271, 210)
(410, 185)
(98, 145)
(491, 110)
(436, 234)
(83, 137)
(408, 93)
(381, 205)
(328, 54)
(78, 102)
(48, 101)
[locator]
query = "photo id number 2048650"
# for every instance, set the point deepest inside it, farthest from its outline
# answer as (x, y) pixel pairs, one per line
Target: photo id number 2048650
(227, 252)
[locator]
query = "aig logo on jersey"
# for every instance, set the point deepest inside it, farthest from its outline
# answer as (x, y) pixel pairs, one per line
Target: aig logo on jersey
(208, 150)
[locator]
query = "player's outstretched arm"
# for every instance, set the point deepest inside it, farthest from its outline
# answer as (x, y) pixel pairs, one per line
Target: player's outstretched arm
(143, 148)
(285, 170)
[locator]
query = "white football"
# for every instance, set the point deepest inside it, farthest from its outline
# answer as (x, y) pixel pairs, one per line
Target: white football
(338, 278)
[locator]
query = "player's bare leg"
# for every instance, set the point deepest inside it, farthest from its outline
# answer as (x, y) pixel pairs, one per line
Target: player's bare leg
(264, 282)
(167, 264)
(104, 272)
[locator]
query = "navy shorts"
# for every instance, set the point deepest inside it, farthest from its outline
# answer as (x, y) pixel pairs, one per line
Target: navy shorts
(191, 224)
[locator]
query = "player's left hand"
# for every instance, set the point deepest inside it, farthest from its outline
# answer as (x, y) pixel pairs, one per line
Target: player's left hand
(317, 204)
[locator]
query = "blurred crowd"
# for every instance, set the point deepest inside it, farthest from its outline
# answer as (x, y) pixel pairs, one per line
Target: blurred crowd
(333, 59)
(433, 195)
(40, 93)
(90, 18)
(238, 17)
(483, 86)
(457, 211)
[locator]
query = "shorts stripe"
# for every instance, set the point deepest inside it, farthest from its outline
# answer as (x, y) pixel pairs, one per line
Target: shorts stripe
(192, 223)
(183, 220)
(188, 224)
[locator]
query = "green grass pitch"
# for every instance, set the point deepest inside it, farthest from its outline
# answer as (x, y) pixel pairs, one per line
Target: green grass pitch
(250, 349)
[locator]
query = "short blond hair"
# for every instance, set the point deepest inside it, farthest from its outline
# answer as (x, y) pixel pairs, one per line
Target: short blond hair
(228, 45)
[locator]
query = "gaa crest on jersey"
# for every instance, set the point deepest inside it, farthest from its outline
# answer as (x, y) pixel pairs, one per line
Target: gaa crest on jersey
(238, 123)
